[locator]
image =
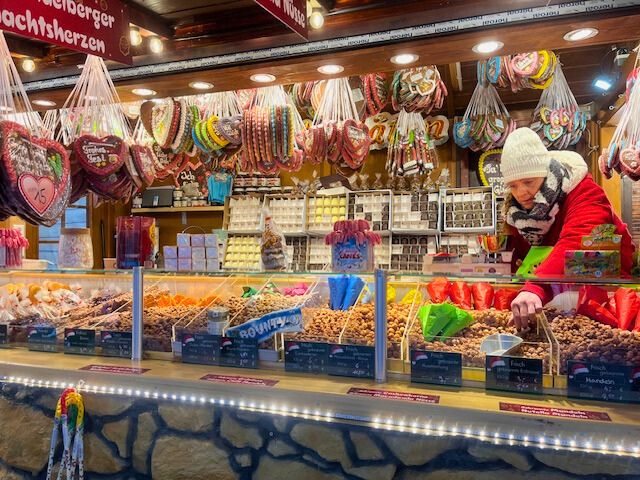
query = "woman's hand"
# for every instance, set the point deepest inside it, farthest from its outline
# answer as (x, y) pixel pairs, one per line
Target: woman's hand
(525, 307)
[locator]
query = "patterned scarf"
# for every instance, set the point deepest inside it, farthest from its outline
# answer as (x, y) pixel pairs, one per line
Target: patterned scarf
(535, 223)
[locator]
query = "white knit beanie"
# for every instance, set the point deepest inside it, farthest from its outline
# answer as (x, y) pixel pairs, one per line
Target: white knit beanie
(524, 156)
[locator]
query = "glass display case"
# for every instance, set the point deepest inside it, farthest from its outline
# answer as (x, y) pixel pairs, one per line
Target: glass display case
(589, 323)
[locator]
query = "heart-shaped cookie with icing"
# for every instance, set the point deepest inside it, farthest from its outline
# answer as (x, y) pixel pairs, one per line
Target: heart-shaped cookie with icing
(630, 161)
(100, 156)
(143, 160)
(36, 174)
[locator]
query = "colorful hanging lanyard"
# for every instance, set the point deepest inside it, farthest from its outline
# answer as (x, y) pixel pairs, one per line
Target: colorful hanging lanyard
(69, 418)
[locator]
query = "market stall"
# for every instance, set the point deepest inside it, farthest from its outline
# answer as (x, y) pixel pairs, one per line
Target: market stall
(318, 275)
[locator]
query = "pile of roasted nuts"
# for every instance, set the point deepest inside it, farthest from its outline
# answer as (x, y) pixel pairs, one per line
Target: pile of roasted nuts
(581, 338)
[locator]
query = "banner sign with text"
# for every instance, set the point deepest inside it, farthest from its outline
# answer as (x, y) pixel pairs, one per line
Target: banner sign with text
(97, 27)
(293, 13)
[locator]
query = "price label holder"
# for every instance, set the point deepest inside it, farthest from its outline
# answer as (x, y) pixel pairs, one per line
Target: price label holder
(437, 368)
(513, 374)
(79, 341)
(200, 348)
(42, 339)
(351, 361)
(115, 343)
(4, 335)
(238, 352)
(603, 381)
(306, 357)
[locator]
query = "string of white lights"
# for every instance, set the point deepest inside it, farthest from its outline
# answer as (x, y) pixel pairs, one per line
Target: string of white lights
(416, 427)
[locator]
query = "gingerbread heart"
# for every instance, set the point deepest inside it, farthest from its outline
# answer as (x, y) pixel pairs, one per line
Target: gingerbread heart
(36, 174)
(630, 161)
(143, 160)
(100, 156)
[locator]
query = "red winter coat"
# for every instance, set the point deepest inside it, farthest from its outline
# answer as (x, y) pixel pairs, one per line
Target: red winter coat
(585, 207)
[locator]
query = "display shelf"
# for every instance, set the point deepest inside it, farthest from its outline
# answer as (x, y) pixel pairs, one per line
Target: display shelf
(212, 208)
(417, 211)
(374, 206)
(468, 210)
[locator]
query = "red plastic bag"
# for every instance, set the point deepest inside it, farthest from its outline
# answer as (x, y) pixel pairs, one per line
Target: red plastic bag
(460, 294)
(482, 295)
(590, 292)
(439, 289)
(599, 313)
(627, 306)
(636, 328)
(503, 297)
(611, 305)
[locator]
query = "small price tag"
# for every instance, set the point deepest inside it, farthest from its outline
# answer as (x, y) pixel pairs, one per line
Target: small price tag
(4, 334)
(439, 368)
(603, 381)
(79, 341)
(238, 352)
(351, 361)
(42, 339)
(201, 348)
(513, 374)
(115, 343)
(306, 357)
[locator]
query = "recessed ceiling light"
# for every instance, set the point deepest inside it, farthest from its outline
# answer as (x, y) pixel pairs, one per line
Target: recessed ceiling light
(143, 92)
(602, 83)
(404, 58)
(28, 65)
(44, 103)
(201, 85)
(155, 44)
(488, 47)
(580, 34)
(134, 36)
(331, 69)
(263, 77)
(316, 19)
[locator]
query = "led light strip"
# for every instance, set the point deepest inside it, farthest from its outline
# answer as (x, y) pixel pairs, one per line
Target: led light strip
(391, 424)
(356, 41)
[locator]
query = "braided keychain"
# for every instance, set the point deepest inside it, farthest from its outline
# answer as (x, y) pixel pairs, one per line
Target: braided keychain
(69, 419)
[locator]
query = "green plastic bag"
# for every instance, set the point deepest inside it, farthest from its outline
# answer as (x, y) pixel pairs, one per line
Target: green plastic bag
(534, 258)
(435, 317)
(462, 320)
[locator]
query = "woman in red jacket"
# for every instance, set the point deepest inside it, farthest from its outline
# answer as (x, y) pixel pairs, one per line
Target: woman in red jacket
(552, 201)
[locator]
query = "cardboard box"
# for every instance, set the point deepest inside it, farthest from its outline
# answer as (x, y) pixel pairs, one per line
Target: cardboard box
(199, 265)
(198, 253)
(184, 264)
(197, 240)
(184, 252)
(602, 237)
(212, 252)
(170, 251)
(213, 265)
(184, 239)
(171, 264)
(592, 263)
(210, 240)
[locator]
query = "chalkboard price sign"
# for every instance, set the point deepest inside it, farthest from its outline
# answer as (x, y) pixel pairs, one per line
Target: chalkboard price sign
(489, 171)
(306, 357)
(439, 368)
(238, 352)
(115, 343)
(603, 381)
(42, 338)
(351, 361)
(513, 374)
(79, 341)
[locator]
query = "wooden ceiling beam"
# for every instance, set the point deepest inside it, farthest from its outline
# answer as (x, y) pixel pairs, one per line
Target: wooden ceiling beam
(27, 48)
(149, 20)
